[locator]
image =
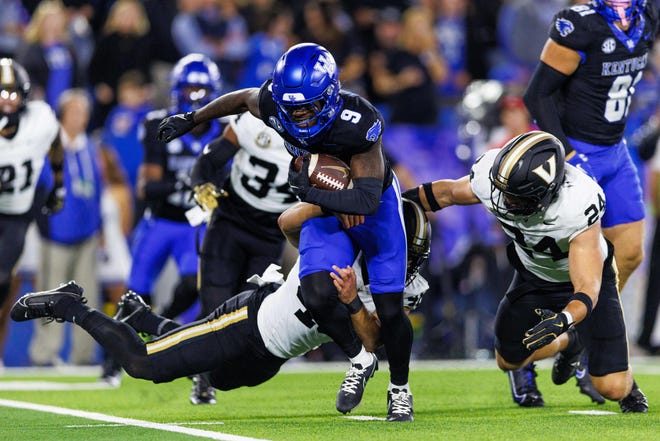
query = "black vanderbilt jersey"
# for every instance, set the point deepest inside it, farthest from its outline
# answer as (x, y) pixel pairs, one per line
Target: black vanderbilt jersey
(594, 102)
(357, 127)
(177, 158)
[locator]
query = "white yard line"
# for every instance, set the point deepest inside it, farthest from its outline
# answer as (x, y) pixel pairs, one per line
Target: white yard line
(126, 421)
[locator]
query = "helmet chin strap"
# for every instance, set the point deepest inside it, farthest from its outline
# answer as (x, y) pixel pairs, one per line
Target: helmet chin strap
(10, 120)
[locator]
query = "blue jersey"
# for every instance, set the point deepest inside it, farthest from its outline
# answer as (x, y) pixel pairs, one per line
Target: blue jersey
(595, 100)
(323, 241)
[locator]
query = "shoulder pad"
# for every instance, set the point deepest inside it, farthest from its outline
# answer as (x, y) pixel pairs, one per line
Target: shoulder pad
(573, 27)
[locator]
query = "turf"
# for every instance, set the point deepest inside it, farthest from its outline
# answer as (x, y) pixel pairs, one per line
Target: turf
(449, 404)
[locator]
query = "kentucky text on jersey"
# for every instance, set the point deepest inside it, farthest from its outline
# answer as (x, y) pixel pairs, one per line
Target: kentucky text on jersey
(624, 66)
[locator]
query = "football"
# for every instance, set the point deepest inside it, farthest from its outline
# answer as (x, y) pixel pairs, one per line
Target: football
(326, 172)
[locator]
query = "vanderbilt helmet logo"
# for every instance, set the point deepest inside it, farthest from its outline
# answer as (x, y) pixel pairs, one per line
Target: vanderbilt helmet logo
(547, 175)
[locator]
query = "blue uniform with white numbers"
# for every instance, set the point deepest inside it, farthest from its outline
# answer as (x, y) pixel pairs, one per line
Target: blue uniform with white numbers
(164, 230)
(323, 241)
(595, 100)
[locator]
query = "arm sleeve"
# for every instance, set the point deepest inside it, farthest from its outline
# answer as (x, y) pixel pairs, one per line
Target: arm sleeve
(362, 199)
(210, 166)
(540, 101)
(155, 190)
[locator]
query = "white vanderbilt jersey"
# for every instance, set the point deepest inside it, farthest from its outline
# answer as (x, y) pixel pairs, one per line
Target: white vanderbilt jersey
(23, 157)
(259, 173)
(281, 317)
(541, 241)
(283, 332)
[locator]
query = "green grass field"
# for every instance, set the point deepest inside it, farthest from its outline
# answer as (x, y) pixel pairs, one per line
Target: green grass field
(450, 403)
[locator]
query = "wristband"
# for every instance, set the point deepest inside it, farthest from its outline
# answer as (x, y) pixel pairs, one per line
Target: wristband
(569, 317)
(584, 298)
(355, 305)
(428, 192)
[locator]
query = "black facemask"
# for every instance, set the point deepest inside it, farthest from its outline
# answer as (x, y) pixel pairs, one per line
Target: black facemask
(11, 120)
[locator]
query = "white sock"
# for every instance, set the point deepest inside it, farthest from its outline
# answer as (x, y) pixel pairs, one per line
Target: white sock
(364, 358)
(400, 387)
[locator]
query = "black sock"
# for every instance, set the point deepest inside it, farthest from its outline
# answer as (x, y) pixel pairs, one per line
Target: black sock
(71, 310)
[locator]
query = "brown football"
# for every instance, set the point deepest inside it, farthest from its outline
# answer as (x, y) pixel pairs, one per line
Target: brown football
(326, 172)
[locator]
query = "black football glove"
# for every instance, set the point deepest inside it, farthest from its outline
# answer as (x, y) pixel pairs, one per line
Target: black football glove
(174, 126)
(55, 201)
(299, 180)
(552, 325)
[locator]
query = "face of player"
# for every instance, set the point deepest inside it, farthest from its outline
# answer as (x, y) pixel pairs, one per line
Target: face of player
(10, 100)
(304, 116)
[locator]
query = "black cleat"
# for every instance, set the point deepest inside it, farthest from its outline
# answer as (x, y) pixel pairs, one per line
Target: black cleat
(586, 386)
(568, 360)
(352, 388)
(523, 387)
(635, 402)
(202, 392)
(50, 304)
(399, 405)
(129, 306)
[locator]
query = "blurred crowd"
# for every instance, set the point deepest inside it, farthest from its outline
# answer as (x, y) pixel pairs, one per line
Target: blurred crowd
(447, 75)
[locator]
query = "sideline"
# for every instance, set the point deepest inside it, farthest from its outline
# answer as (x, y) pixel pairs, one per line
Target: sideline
(126, 421)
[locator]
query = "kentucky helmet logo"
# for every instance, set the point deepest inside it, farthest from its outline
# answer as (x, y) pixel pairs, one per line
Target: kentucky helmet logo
(564, 26)
(374, 131)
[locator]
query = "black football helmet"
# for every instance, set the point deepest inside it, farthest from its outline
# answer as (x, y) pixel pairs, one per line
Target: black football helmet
(418, 236)
(14, 83)
(527, 174)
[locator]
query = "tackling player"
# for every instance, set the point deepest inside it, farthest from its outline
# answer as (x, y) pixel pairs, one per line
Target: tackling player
(246, 340)
(304, 103)
(581, 92)
(242, 236)
(564, 286)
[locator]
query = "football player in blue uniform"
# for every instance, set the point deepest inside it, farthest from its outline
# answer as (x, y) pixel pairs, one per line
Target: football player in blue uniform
(581, 92)
(163, 181)
(563, 294)
(304, 103)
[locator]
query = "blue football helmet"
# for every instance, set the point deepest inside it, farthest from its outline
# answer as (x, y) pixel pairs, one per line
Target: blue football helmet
(195, 81)
(306, 90)
(625, 11)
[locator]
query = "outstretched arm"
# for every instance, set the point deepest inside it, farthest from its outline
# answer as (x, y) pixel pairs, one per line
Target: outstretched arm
(231, 103)
(434, 196)
(585, 266)
(290, 222)
(366, 325)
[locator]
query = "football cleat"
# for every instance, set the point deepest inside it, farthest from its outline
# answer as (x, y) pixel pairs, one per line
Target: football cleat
(202, 392)
(50, 304)
(129, 306)
(568, 360)
(352, 388)
(523, 387)
(635, 402)
(399, 405)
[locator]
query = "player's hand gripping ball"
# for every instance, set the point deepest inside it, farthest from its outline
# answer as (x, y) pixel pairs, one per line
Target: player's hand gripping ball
(325, 172)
